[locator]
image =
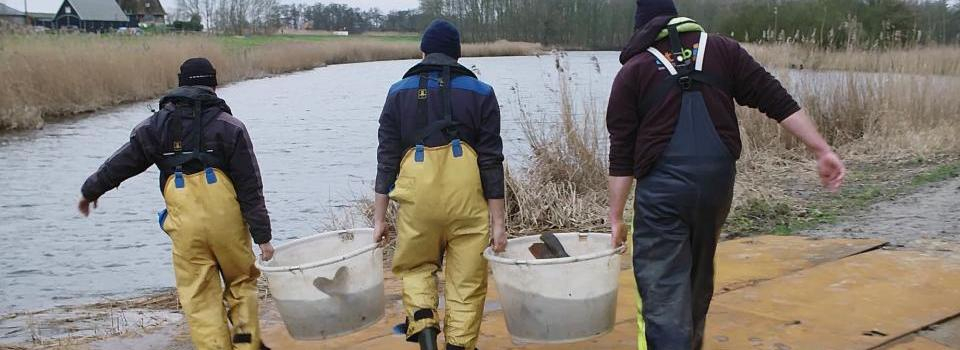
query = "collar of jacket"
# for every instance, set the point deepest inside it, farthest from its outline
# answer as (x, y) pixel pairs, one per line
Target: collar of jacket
(644, 37)
(206, 95)
(435, 62)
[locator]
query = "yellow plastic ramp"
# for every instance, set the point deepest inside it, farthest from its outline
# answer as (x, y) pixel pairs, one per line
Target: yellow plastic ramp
(916, 343)
(746, 261)
(859, 302)
(741, 263)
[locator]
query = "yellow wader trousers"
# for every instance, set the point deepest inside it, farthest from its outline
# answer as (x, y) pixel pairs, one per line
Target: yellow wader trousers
(442, 214)
(213, 261)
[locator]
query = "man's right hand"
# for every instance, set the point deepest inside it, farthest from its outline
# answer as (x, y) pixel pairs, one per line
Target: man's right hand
(266, 251)
(380, 232)
(618, 233)
(831, 170)
(84, 206)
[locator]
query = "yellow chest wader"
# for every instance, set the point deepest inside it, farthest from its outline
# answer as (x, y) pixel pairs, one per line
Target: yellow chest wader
(442, 215)
(213, 258)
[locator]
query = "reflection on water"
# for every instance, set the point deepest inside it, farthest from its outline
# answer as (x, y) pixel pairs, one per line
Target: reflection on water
(315, 136)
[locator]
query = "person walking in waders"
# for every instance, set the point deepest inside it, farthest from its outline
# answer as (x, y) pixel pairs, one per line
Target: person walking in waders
(441, 159)
(211, 184)
(673, 129)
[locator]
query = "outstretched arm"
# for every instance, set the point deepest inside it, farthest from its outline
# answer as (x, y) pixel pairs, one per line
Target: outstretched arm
(829, 165)
(755, 87)
(128, 161)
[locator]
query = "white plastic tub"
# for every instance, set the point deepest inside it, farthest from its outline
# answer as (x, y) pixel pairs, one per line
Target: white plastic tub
(558, 300)
(327, 285)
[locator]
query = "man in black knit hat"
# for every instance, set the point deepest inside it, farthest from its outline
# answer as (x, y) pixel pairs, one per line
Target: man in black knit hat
(440, 157)
(211, 184)
(673, 130)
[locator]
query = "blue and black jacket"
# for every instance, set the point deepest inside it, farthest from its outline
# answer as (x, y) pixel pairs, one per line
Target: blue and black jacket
(475, 110)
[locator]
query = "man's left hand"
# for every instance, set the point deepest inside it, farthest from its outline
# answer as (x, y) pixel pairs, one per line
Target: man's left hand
(84, 206)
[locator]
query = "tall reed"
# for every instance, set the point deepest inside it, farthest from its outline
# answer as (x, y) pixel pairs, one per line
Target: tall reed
(935, 60)
(47, 76)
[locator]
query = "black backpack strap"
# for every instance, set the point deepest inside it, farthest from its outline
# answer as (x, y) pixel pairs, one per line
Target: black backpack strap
(447, 125)
(176, 159)
(446, 91)
(422, 112)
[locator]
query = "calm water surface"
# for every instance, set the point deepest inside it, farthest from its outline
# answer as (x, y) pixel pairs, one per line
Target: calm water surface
(315, 136)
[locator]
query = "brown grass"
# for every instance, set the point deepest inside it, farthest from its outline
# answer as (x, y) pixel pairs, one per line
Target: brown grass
(872, 118)
(869, 117)
(936, 60)
(564, 185)
(47, 76)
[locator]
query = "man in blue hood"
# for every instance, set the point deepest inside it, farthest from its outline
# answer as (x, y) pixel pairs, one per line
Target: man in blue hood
(441, 159)
(673, 129)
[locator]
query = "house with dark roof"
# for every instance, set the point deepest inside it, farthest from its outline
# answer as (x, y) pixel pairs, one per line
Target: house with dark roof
(143, 11)
(11, 15)
(90, 16)
(41, 19)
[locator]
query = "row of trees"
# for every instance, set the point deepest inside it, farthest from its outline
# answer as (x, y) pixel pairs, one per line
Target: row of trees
(233, 16)
(835, 23)
(342, 17)
(571, 23)
(608, 24)
(266, 16)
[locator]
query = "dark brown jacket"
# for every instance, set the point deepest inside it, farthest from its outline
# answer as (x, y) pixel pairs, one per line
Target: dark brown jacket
(225, 135)
(638, 137)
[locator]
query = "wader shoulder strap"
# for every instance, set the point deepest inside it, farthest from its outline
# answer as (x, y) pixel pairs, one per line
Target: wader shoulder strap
(422, 112)
(177, 158)
(681, 75)
(447, 125)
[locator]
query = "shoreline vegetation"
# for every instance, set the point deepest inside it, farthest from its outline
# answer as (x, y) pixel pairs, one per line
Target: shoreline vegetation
(46, 77)
(888, 117)
(888, 120)
(895, 130)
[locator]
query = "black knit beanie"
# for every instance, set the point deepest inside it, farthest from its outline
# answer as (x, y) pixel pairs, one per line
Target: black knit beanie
(197, 71)
(441, 37)
(649, 9)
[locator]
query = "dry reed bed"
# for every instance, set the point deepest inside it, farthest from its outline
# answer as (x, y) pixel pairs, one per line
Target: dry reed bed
(870, 117)
(933, 60)
(866, 115)
(48, 76)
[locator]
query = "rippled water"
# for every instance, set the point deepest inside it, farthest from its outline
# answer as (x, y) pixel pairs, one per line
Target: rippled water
(315, 136)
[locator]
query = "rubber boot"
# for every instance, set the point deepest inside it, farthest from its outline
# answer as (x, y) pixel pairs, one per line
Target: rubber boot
(263, 347)
(428, 338)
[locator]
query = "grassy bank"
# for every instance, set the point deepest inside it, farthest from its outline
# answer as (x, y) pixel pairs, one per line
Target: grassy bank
(46, 76)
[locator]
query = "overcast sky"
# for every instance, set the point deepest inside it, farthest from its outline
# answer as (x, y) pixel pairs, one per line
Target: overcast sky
(170, 5)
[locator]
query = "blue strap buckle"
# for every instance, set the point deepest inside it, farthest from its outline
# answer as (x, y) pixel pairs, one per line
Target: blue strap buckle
(211, 176)
(178, 179)
(457, 149)
(162, 217)
(418, 154)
